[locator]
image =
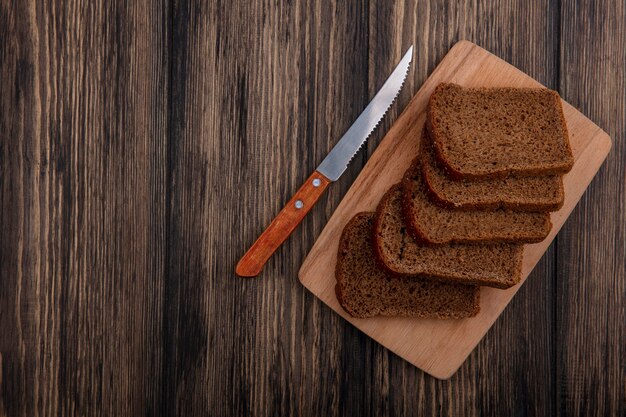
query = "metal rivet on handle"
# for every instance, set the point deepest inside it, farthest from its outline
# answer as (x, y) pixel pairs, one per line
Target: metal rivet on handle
(299, 204)
(316, 182)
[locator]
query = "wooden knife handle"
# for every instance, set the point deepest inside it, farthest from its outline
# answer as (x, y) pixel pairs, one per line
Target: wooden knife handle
(286, 221)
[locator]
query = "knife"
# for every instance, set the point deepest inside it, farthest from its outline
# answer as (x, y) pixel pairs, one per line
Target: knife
(328, 171)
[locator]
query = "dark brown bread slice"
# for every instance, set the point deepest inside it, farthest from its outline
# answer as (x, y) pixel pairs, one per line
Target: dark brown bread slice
(536, 193)
(493, 132)
(495, 265)
(365, 290)
(430, 223)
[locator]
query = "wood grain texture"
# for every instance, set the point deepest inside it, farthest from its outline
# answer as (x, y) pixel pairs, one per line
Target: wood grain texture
(440, 347)
(144, 147)
(242, 140)
(83, 125)
(591, 252)
(2, 411)
(285, 222)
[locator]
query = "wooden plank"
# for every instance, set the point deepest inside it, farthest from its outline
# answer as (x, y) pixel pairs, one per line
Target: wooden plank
(2, 411)
(437, 346)
(85, 147)
(82, 206)
(591, 290)
(259, 93)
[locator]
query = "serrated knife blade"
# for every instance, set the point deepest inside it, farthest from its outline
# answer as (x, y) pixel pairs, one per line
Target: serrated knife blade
(336, 162)
(328, 171)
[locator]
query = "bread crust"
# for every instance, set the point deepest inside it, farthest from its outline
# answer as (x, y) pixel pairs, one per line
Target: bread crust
(456, 173)
(493, 204)
(419, 236)
(378, 255)
(377, 244)
(338, 276)
(342, 250)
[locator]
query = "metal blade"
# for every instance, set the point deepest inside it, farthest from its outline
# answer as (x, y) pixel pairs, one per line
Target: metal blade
(338, 159)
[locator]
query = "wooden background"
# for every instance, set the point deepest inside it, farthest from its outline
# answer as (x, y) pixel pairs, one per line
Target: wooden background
(144, 147)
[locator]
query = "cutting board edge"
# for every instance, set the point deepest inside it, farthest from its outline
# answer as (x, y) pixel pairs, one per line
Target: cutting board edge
(604, 147)
(441, 372)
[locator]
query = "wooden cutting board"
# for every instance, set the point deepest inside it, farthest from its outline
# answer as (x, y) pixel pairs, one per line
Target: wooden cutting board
(439, 347)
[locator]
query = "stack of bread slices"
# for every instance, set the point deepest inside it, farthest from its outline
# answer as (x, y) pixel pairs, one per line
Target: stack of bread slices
(483, 183)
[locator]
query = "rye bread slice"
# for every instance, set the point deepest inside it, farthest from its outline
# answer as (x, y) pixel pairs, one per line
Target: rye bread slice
(365, 290)
(430, 223)
(536, 193)
(481, 133)
(493, 265)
